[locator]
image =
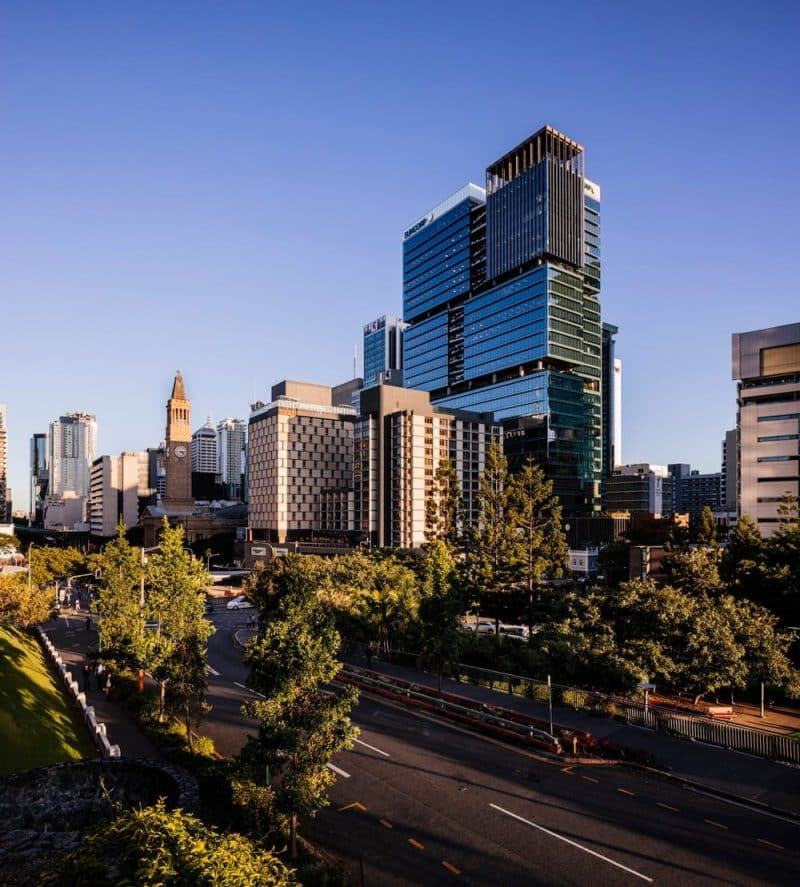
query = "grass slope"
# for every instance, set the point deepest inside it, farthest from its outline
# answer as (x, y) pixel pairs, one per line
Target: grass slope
(37, 724)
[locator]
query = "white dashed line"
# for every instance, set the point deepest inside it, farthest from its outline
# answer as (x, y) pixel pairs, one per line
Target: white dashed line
(367, 745)
(338, 770)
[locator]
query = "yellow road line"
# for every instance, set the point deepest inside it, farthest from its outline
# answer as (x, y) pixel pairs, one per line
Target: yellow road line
(590, 779)
(769, 843)
(450, 867)
(717, 824)
(567, 770)
(668, 807)
(415, 843)
(385, 823)
(355, 804)
(625, 791)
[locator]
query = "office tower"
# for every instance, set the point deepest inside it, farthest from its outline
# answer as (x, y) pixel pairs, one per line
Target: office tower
(500, 288)
(232, 454)
(157, 472)
(300, 458)
(119, 490)
(612, 400)
(204, 449)
(766, 364)
(638, 488)
(5, 495)
(177, 460)
(729, 461)
(696, 490)
(39, 475)
(400, 441)
(71, 450)
(383, 351)
(678, 471)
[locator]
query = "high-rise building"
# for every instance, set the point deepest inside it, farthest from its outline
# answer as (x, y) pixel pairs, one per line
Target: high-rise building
(157, 472)
(300, 459)
(119, 491)
(612, 401)
(177, 459)
(5, 494)
(39, 476)
(766, 364)
(500, 288)
(232, 455)
(71, 450)
(638, 488)
(383, 351)
(696, 491)
(400, 441)
(730, 450)
(204, 449)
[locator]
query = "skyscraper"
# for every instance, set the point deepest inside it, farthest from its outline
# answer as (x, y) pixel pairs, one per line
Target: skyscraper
(766, 364)
(231, 455)
(383, 351)
(500, 287)
(39, 476)
(612, 401)
(72, 442)
(204, 449)
(5, 496)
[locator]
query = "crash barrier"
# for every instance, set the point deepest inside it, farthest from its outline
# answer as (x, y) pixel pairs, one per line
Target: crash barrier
(491, 719)
(97, 730)
(710, 730)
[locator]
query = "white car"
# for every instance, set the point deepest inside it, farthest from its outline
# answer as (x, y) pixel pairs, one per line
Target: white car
(239, 603)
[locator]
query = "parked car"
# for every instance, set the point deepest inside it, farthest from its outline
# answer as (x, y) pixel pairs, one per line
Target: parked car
(518, 632)
(240, 602)
(482, 627)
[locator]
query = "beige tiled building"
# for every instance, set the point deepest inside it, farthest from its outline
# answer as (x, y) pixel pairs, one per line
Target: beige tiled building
(300, 462)
(766, 364)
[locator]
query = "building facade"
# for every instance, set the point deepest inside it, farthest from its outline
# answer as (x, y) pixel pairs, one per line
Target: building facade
(638, 489)
(119, 491)
(612, 401)
(204, 450)
(232, 456)
(5, 493)
(500, 288)
(177, 458)
(39, 478)
(695, 491)
(300, 458)
(766, 364)
(400, 441)
(71, 450)
(730, 451)
(383, 351)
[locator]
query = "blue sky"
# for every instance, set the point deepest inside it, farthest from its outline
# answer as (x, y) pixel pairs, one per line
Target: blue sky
(223, 187)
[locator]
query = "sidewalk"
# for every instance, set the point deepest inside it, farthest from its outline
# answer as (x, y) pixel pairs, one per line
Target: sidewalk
(69, 636)
(745, 776)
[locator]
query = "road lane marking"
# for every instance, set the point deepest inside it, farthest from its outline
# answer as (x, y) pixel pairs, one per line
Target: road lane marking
(716, 824)
(355, 805)
(385, 823)
(769, 843)
(668, 807)
(254, 692)
(212, 671)
(591, 779)
(450, 867)
(367, 745)
(625, 791)
(751, 809)
(415, 843)
(547, 831)
(338, 770)
(567, 770)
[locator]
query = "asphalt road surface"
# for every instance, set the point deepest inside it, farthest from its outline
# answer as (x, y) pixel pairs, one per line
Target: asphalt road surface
(419, 802)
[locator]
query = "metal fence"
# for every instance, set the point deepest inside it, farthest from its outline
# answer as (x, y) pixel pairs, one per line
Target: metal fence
(701, 729)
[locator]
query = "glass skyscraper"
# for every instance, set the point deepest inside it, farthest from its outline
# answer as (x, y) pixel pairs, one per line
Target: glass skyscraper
(383, 351)
(500, 287)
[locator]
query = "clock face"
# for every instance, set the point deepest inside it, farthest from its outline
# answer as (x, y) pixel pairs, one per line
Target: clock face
(180, 451)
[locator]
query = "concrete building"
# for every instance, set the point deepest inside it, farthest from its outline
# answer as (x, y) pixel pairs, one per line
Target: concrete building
(71, 445)
(204, 450)
(119, 491)
(730, 455)
(400, 441)
(383, 351)
(66, 512)
(695, 491)
(582, 562)
(232, 456)
(5, 493)
(766, 364)
(39, 478)
(501, 290)
(637, 489)
(612, 401)
(300, 457)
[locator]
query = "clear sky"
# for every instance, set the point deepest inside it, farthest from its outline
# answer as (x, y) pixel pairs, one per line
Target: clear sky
(223, 187)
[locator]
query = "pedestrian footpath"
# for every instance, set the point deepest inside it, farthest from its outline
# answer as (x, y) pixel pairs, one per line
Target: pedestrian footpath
(721, 770)
(72, 637)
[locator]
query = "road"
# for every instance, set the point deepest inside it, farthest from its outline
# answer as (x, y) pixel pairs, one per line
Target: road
(419, 802)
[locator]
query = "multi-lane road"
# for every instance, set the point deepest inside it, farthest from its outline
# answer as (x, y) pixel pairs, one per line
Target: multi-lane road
(420, 802)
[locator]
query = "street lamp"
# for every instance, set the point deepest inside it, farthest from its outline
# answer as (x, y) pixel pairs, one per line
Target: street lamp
(209, 558)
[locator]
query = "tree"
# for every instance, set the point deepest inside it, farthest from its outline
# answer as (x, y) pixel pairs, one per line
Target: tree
(22, 603)
(614, 561)
(783, 561)
(300, 725)
(153, 845)
(50, 563)
(492, 539)
(439, 610)
(443, 507)
(742, 565)
(541, 547)
(121, 623)
(695, 571)
(706, 527)
(176, 648)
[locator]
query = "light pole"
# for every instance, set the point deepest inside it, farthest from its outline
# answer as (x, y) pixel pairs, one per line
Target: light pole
(30, 548)
(209, 558)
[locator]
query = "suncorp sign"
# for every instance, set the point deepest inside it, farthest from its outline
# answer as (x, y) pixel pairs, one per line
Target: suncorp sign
(415, 227)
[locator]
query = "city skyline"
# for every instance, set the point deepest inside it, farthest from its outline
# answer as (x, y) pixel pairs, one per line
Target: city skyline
(170, 200)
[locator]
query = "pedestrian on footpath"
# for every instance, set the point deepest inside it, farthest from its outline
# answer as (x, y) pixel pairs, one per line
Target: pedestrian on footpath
(87, 673)
(107, 688)
(99, 673)
(88, 624)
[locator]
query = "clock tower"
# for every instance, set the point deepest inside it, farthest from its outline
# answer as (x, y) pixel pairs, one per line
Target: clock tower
(178, 461)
